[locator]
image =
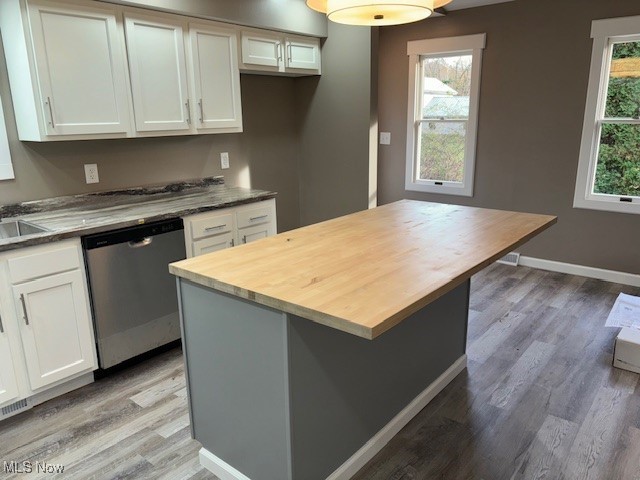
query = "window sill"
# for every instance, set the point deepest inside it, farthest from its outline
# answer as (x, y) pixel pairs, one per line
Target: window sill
(608, 205)
(447, 188)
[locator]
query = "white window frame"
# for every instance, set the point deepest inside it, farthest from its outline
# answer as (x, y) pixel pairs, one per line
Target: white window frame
(464, 45)
(604, 33)
(6, 169)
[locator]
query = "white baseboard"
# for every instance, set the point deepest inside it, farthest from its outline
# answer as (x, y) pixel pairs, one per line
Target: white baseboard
(359, 459)
(219, 467)
(64, 387)
(591, 272)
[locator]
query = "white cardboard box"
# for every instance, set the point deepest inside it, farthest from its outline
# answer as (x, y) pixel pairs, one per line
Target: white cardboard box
(626, 354)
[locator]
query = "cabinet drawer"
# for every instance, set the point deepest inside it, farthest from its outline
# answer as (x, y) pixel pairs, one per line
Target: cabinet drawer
(255, 216)
(212, 244)
(213, 225)
(48, 262)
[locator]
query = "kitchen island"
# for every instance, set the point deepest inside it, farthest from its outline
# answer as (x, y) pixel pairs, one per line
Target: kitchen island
(306, 352)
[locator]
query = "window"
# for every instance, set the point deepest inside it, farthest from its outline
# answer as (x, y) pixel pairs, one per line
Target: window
(6, 170)
(609, 166)
(444, 82)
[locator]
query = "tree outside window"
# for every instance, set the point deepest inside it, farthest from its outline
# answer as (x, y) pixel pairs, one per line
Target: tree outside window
(618, 167)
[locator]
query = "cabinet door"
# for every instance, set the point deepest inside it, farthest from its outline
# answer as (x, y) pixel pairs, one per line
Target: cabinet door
(303, 54)
(8, 382)
(212, 244)
(251, 234)
(55, 327)
(158, 73)
(214, 53)
(80, 69)
(262, 50)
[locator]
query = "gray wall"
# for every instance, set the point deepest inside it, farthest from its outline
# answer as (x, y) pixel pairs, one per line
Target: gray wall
(336, 113)
(285, 15)
(534, 81)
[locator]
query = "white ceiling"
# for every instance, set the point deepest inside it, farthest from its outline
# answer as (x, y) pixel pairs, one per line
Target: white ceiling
(460, 4)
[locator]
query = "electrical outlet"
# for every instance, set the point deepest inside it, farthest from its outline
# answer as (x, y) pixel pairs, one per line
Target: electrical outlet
(224, 160)
(91, 173)
(385, 138)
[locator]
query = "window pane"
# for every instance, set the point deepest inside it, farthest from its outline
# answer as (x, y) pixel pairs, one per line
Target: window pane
(618, 168)
(446, 86)
(442, 151)
(623, 94)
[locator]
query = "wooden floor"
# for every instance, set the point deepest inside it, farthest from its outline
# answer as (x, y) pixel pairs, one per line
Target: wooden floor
(539, 400)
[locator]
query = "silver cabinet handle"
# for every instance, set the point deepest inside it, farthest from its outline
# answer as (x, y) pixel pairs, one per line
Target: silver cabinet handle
(279, 47)
(52, 122)
(201, 111)
(289, 52)
(141, 243)
(207, 229)
(24, 309)
(188, 105)
(251, 219)
(1, 326)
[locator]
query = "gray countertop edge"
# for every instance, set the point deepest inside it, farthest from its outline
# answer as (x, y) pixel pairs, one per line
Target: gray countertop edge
(53, 236)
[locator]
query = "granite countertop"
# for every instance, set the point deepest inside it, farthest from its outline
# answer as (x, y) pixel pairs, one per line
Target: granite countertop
(78, 215)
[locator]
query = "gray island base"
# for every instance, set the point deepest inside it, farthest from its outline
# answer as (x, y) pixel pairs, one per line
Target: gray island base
(274, 396)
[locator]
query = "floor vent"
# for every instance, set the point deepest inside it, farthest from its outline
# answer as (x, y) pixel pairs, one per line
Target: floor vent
(14, 408)
(510, 259)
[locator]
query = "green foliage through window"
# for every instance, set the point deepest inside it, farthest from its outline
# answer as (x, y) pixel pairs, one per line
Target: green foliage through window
(618, 167)
(442, 156)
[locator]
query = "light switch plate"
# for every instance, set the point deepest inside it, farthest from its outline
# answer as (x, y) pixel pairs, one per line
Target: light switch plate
(385, 138)
(224, 160)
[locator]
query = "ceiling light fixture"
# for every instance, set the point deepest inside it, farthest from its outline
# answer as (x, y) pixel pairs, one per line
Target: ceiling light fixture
(376, 12)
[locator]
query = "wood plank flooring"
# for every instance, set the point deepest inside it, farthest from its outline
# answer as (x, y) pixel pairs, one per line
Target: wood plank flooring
(539, 400)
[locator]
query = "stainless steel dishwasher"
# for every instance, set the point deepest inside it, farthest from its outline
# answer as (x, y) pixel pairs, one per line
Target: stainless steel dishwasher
(133, 295)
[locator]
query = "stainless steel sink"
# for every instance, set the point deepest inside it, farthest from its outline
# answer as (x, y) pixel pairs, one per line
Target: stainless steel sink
(18, 228)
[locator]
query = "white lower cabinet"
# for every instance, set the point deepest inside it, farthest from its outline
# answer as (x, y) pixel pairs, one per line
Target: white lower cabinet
(47, 337)
(251, 234)
(8, 382)
(55, 328)
(212, 244)
(255, 222)
(219, 229)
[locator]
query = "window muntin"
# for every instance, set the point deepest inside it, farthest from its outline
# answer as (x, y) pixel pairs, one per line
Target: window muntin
(608, 175)
(444, 82)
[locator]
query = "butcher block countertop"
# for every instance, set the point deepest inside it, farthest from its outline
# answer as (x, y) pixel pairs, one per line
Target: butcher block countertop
(365, 272)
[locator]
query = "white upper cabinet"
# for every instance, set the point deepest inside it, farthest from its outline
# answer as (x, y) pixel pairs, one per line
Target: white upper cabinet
(67, 69)
(302, 54)
(155, 46)
(81, 69)
(214, 62)
(264, 51)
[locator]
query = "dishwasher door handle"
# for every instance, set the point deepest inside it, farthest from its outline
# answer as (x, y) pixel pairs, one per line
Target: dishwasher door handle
(141, 243)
